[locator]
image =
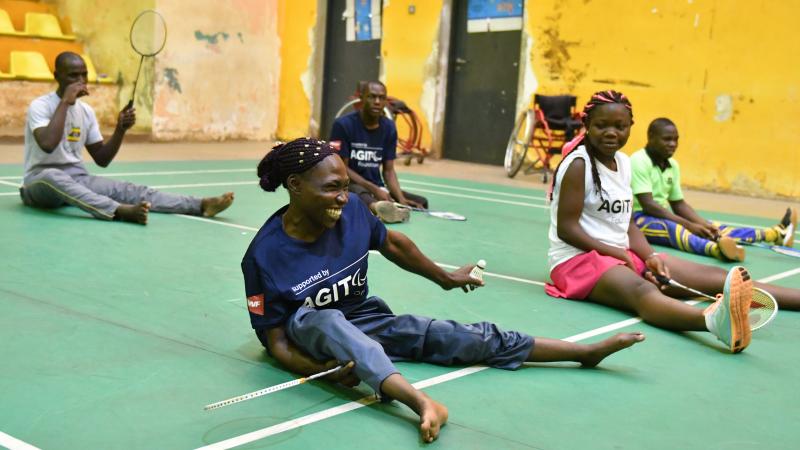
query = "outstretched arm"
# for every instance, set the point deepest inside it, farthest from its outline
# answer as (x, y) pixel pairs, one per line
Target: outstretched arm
(700, 226)
(681, 213)
(297, 361)
(399, 249)
(104, 152)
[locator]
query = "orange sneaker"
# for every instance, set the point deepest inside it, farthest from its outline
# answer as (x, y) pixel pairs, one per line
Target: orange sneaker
(728, 317)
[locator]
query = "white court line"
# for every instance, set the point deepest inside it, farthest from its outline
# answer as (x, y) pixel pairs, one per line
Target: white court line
(223, 183)
(8, 183)
(446, 266)
(145, 174)
(9, 194)
(480, 191)
(12, 443)
(485, 199)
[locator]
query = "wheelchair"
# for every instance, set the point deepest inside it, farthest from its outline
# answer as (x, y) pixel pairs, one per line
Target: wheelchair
(409, 127)
(544, 129)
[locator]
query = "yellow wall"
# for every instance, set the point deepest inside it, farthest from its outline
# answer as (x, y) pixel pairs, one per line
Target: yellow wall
(722, 70)
(410, 57)
(296, 28)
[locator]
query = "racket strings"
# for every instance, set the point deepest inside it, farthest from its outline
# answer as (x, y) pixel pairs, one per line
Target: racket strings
(763, 308)
(148, 33)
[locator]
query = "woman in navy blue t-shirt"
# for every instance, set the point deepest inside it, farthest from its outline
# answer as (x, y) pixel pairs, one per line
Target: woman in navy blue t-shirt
(306, 283)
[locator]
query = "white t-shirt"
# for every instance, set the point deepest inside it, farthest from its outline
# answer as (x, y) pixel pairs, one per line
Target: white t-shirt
(605, 219)
(80, 129)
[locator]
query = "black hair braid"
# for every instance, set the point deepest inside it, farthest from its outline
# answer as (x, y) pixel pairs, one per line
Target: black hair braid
(288, 158)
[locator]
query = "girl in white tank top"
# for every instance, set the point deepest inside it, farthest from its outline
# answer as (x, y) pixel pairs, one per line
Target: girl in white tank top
(596, 252)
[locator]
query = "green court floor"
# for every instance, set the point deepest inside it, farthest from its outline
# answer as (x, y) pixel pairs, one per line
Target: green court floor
(114, 336)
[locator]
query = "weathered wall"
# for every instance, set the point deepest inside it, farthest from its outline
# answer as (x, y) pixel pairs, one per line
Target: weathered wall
(410, 50)
(217, 77)
(297, 26)
(722, 70)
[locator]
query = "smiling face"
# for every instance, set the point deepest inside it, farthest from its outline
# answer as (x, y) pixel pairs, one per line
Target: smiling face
(663, 141)
(609, 127)
(321, 192)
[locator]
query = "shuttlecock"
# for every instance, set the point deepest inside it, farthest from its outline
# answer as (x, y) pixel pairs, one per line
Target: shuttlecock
(477, 271)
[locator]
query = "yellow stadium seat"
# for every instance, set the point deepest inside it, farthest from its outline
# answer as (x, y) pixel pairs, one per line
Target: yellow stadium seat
(6, 27)
(30, 65)
(93, 77)
(4, 76)
(44, 25)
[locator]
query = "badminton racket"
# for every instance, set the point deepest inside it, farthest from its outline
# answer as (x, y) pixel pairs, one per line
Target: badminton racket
(788, 251)
(440, 214)
(269, 390)
(148, 36)
(763, 306)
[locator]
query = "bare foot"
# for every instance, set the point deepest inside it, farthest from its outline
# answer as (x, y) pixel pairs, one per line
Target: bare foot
(597, 352)
(432, 417)
(211, 206)
(133, 213)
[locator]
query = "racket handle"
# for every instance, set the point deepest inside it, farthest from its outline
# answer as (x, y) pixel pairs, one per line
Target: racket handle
(661, 279)
(128, 106)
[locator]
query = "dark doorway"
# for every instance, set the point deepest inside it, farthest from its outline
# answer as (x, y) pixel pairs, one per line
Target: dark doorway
(482, 87)
(347, 62)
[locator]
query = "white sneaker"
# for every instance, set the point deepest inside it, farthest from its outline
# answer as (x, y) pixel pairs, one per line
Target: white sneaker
(789, 224)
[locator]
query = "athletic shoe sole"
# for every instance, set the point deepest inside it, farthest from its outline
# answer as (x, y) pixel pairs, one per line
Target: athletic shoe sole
(730, 250)
(740, 288)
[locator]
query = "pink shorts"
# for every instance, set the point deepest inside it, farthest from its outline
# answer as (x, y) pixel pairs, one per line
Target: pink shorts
(576, 277)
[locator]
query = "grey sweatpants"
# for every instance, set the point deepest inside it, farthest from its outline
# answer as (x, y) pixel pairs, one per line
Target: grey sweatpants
(53, 187)
(372, 336)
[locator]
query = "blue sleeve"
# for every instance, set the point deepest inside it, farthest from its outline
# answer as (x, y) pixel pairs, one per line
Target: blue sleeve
(377, 230)
(390, 147)
(267, 309)
(339, 139)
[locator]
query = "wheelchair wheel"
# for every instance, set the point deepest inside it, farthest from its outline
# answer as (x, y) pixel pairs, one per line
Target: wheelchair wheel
(518, 143)
(350, 106)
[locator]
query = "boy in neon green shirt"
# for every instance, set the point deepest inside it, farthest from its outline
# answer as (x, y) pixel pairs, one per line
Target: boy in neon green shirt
(665, 218)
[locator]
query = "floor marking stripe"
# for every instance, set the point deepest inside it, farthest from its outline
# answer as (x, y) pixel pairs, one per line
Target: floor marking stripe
(222, 183)
(12, 443)
(485, 199)
(480, 191)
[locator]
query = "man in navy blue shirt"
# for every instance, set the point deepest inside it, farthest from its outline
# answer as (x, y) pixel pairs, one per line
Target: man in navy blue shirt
(305, 275)
(367, 142)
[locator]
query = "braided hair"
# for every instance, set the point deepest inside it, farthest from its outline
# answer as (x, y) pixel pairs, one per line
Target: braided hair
(288, 158)
(598, 99)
